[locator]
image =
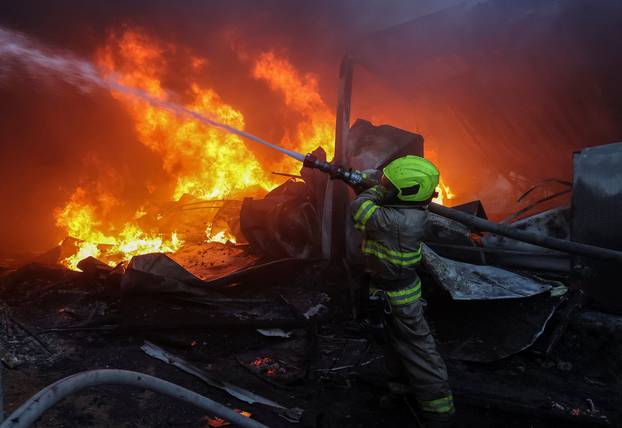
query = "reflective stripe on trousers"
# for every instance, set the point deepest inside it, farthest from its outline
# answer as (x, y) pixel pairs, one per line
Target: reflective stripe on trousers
(400, 297)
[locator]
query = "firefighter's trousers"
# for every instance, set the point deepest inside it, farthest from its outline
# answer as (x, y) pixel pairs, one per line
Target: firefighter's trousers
(410, 338)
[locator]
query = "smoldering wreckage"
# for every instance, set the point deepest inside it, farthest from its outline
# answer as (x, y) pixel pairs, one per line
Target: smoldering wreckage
(270, 331)
(271, 328)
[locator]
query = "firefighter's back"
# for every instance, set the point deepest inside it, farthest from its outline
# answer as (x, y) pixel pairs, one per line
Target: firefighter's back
(392, 247)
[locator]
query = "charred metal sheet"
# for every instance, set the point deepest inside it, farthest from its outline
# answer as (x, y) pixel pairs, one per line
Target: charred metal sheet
(212, 260)
(440, 229)
(160, 274)
(465, 281)
(596, 218)
(449, 238)
(554, 222)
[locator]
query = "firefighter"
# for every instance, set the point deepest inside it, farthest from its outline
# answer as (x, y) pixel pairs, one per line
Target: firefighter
(391, 217)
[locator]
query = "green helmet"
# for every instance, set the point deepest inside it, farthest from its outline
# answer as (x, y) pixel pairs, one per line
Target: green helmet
(414, 177)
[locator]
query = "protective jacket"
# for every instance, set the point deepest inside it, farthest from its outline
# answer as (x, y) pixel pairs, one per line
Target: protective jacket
(392, 238)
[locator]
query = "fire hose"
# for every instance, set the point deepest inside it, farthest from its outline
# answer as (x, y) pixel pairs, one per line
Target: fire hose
(32, 409)
(357, 179)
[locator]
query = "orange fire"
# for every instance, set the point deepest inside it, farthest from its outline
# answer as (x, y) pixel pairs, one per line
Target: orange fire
(203, 162)
(301, 95)
(79, 219)
(444, 193)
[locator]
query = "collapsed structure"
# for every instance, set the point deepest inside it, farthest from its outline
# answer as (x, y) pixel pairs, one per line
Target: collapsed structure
(491, 299)
(520, 322)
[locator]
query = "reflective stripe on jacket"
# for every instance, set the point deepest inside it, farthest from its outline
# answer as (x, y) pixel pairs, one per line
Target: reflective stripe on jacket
(391, 237)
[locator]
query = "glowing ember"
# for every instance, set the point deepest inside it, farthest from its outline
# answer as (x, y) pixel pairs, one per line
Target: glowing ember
(268, 366)
(217, 422)
(262, 361)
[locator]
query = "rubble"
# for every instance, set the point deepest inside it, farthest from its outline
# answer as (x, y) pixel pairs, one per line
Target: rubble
(336, 356)
(285, 223)
(271, 317)
(292, 415)
(554, 222)
(259, 298)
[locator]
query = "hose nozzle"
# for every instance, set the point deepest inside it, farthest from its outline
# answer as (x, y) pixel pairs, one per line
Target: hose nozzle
(336, 172)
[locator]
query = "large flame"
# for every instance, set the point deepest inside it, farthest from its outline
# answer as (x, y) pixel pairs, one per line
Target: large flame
(79, 219)
(203, 162)
(301, 95)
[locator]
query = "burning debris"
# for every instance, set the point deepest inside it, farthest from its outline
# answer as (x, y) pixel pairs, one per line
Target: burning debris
(259, 289)
(519, 322)
(188, 150)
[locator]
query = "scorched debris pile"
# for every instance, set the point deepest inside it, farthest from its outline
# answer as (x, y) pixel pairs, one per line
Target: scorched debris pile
(266, 327)
(189, 153)
(238, 274)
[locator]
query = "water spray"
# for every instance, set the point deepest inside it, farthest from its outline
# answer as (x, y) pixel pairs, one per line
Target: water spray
(83, 74)
(17, 48)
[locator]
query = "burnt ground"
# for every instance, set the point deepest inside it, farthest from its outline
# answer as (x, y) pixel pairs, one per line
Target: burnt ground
(331, 367)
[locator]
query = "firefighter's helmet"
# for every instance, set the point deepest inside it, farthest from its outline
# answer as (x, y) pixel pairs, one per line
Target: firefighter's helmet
(414, 177)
